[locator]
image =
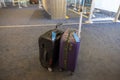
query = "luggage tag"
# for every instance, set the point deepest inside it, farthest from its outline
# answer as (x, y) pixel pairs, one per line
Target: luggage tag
(53, 36)
(76, 37)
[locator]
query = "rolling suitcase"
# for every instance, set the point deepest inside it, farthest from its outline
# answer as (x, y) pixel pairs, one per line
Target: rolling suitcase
(69, 49)
(49, 48)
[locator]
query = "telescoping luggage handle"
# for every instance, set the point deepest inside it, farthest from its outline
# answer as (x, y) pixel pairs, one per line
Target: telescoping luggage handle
(80, 21)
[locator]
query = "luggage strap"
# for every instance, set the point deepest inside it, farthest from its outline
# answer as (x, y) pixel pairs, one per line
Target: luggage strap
(53, 36)
(67, 49)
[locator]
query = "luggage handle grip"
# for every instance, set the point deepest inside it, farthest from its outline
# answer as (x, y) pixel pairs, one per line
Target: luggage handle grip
(58, 24)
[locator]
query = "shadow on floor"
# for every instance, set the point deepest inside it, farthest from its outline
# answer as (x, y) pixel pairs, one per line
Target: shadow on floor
(40, 14)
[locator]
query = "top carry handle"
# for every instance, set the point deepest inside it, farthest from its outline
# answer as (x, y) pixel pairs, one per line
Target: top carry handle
(58, 24)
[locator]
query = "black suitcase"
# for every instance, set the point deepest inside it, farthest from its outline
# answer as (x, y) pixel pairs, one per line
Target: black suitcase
(49, 48)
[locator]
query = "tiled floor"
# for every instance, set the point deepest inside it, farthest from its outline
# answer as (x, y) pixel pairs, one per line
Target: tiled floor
(98, 58)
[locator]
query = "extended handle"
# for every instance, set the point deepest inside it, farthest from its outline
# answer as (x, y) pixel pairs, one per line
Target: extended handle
(80, 21)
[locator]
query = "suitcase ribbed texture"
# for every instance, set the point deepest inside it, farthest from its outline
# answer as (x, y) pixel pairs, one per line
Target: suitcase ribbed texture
(69, 49)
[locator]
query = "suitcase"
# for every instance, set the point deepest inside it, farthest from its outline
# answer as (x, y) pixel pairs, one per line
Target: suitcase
(49, 48)
(69, 49)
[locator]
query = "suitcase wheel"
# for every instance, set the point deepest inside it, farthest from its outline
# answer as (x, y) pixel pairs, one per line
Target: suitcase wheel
(60, 69)
(71, 73)
(50, 69)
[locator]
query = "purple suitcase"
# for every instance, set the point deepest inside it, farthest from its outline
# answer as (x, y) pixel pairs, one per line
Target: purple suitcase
(69, 49)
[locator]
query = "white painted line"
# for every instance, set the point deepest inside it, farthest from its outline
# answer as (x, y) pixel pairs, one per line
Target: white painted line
(37, 25)
(102, 19)
(42, 25)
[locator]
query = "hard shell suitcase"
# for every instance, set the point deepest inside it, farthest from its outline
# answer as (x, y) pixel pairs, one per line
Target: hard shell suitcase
(69, 49)
(49, 48)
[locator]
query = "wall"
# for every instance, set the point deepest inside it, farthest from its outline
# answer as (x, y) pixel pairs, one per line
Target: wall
(110, 5)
